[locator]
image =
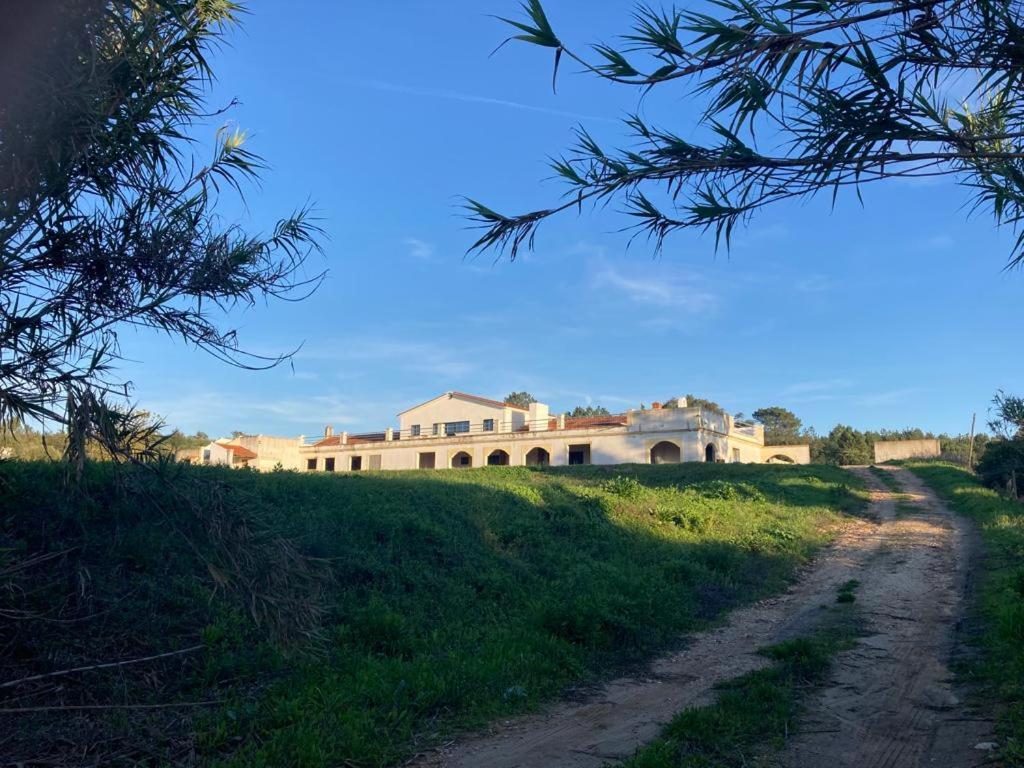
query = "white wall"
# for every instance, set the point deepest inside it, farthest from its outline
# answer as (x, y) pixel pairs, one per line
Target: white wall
(610, 445)
(447, 408)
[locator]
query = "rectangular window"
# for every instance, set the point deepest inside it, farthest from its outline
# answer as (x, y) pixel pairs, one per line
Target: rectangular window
(456, 427)
(357, 463)
(437, 429)
(488, 425)
(427, 460)
(206, 456)
(579, 454)
(310, 464)
(414, 430)
(329, 464)
(375, 461)
(736, 454)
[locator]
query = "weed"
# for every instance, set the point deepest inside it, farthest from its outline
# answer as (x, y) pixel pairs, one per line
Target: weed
(441, 600)
(845, 593)
(755, 711)
(999, 607)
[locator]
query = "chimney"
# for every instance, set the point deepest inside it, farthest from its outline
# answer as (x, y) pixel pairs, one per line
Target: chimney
(656, 406)
(328, 431)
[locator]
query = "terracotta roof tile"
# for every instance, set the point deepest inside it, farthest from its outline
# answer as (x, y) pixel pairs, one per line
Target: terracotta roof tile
(614, 420)
(240, 452)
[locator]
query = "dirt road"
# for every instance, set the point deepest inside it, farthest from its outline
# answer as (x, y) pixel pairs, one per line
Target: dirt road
(889, 703)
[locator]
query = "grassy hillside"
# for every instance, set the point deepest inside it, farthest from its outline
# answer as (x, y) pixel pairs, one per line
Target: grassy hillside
(1001, 594)
(349, 620)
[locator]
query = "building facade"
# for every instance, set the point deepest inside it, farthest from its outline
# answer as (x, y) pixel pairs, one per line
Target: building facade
(456, 431)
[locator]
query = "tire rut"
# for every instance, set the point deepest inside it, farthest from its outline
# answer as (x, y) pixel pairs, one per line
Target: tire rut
(889, 702)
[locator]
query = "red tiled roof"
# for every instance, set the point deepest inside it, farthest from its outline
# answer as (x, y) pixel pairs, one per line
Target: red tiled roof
(615, 420)
(241, 452)
(370, 437)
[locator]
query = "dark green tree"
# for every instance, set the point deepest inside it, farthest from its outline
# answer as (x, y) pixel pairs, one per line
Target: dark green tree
(522, 399)
(792, 99)
(588, 411)
(692, 401)
(844, 445)
(781, 425)
(108, 218)
(1007, 416)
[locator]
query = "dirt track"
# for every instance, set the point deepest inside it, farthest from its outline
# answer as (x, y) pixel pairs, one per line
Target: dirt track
(889, 702)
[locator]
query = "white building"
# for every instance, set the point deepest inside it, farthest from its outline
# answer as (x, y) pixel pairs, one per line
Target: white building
(260, 452)
(457, 430)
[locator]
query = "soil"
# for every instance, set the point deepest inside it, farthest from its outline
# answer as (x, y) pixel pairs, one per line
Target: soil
(890, 701)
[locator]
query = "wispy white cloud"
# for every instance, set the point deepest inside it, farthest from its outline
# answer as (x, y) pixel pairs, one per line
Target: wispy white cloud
(888, 397)
(817, 386)
(940, 242)
(814, 284)
(205, 410)
(443, 93)
(420, 249)
(449, 362)
(663, 289)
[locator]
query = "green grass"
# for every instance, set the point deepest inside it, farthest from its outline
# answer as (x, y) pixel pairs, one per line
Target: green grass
(1000, 604)
(886, 478)
(353, 619)
(757, 711)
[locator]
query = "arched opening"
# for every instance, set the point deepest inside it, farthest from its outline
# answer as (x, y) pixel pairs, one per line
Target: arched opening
(780, 458)
(710, 453)
(666, 453)
(462, 460)
(538, 457)
(497, 458)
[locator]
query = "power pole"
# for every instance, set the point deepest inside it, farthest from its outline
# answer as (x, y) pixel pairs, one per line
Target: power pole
(970, 450)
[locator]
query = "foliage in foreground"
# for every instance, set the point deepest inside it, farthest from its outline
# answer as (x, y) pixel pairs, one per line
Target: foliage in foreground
(109, 219)
(392, 608)
(790, 100)
(758, 709)
(1001, 603)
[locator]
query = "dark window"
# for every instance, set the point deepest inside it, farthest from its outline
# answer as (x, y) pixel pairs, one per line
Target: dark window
(579, 454)
(310, 463)
(464, 460)
(329, 464)
(206, 458)
(357, 463)
(488, 425)
(437, 429)
(427, 460)
(415, 430)
(455, 427)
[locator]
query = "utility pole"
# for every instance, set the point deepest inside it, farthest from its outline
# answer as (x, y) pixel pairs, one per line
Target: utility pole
(970, 450)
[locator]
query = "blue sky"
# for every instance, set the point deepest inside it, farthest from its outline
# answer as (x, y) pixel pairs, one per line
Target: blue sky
(891, 314)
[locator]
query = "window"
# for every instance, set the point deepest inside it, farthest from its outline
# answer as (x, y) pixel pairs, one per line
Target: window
(427, 460)
(736, 454)
(329, 464)
(206, 457)
(488, 425)
(357, 463)
(455, 427)
(414, 430)
(579, 454)
(375, 461)
(311, 464)
(437, 429)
